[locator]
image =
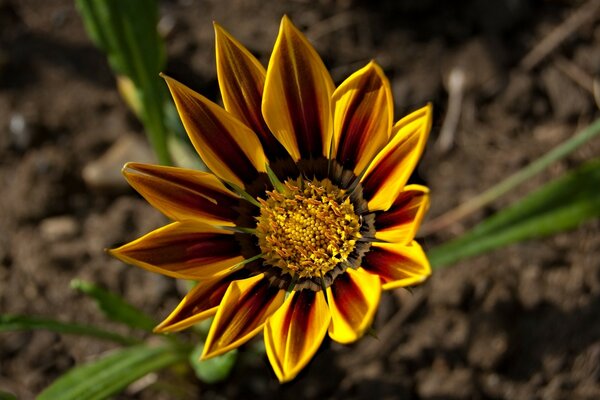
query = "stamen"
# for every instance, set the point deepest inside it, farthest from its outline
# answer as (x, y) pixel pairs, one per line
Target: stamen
(307, 227)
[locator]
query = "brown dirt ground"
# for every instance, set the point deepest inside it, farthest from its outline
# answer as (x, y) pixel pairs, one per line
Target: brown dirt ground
(521, 322)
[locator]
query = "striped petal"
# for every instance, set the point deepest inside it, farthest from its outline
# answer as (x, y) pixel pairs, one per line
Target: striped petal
(294, 333)
(363, 117)
(228, 147)
(185, 250)
(242, 80)
(183, 193)
(243, 311)
(400, 223)
(296, 100)
(353, 300)
(200, 303)
(387, 174)
(397, 264)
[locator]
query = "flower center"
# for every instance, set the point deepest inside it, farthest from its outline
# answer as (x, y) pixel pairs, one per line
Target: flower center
(307, 228)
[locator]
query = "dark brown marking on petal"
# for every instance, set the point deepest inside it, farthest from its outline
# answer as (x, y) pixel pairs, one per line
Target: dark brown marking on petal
(357, 123)
(378, 176)
(197, 248)
(403, 211)
(349, 299)
(303, 103)
(213, 294)
(250, 309)
(188, 195)
(218, 137)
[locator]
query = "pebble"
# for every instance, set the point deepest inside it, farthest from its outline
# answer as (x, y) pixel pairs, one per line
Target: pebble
(104, 174)
(566, 99)
(58, 228)
(19, 131)
(440, 384)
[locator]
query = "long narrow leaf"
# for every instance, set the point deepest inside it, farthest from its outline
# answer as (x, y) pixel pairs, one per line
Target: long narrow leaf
(112, 373)
(558, 206)
(127, 32)
(115, 307)
(24, 323)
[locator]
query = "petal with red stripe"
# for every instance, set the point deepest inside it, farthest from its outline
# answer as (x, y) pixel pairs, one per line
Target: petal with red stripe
(397, 264)
(294, 333)
(297, 96)
(186, 250)
(242, 80)
(400, 223)
(363, 117)
(242, 313)
(353, 300)
(387, 174)
(200, 303)
(227, 146)
(183, 193)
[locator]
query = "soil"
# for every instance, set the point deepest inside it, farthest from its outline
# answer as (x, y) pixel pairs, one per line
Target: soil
(517, 323)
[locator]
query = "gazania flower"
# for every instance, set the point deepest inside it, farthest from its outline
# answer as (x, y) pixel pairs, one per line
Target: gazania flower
(306, 216)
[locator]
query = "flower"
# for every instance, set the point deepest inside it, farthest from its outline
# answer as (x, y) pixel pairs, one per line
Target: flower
(306, 216)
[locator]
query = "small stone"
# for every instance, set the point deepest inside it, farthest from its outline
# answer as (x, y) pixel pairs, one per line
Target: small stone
(104, 174)
(445, 384)
(487, 351)
(58, 228)
(517, 95)
(567, 100)
(19, 131)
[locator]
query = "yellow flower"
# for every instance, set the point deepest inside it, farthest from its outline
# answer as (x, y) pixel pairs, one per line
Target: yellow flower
(306, 216)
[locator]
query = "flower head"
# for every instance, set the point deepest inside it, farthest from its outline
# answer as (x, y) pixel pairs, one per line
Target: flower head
(306, 216)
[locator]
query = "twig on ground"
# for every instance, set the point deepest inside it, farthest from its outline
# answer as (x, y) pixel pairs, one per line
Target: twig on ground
(586, 13)
(575, 73)
(456, 92)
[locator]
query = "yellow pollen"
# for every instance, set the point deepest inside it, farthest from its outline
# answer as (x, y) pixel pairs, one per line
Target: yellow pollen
(307, 229)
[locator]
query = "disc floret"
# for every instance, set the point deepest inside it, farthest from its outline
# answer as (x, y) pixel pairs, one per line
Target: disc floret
(308, 228)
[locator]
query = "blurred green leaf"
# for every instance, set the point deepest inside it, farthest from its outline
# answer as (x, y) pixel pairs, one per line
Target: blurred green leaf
(215, 369)
(560, 205)
(115, 307)
(24, 322)
(7, 396)
(127, 31)
(112, 373)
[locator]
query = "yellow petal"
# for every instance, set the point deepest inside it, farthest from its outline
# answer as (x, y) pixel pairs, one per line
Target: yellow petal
(185, 250)
(200, 303)
(387, 174)
(397, 264)
(353, 300)
(183, 193)
(227, 146)
(363, 116)
(401, 222)
(294, 333)
(242, 313)
(296, 100)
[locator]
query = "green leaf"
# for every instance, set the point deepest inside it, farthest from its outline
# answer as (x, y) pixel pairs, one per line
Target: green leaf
(560, 205)
(24, 322)
(115, 307)
(7, 396)
(112, 373)
(127, 32)
(214, 369)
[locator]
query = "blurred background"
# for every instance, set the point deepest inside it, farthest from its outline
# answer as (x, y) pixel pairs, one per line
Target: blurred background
(509, 80)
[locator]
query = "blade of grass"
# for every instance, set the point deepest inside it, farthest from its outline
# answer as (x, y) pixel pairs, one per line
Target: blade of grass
(514, 180)
(560, 205)
(115, 307)
(127, 32)
(25, 323)
(112, 373)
